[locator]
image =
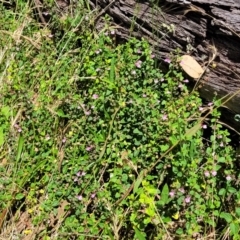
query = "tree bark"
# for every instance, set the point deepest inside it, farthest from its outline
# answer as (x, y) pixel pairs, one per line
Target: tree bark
(200, 28)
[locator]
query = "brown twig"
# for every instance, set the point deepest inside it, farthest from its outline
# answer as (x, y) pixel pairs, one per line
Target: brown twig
(38, 6)
(104, 10)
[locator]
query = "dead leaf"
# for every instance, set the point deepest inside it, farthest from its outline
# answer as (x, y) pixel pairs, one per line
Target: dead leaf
(61, 209)
(23, 221)
(60, 157)
(61, 214)
(191, 66)
(2, 217)
(3, 162)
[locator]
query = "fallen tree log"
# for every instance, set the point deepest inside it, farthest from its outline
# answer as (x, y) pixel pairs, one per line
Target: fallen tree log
(200, 28)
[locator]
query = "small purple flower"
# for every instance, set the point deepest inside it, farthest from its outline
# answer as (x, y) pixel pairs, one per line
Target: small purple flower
(162, 79)
(87, 113)
(18, 127)
(83, 174)
(45, 13)
(112, 32)
(187, 199)
(164, 117)
(210, 104)
(138, 64)
(214, 173)
(167, 60)
(79, 174)
(106, 33)
(221, 144)
(79, 197)
(95, 96)
(139, 51)
(75, 179)
(200, 109)
(172, 194)
(152, 56)
(228, 178)
(180, 85)
(93, 195)
(181, 190)
(89, 148)
(133, 72)
(206, 173)
(186, 81)
(204, 126)
(64, 140)
(144, 95)
(98, 51)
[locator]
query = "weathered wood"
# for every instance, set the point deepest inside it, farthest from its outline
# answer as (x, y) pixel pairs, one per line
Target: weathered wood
(199, 26)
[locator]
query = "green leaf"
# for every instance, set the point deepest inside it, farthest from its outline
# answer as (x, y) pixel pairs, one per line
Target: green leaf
(140, 235)
(165, 194)
(112, 70)
(234, 228)
(19, 196)
(192, 148)
(179, 231)
(222, 159)
(232, 190)
(55, 203)
(192, 131)
(5, 111)
(216, 213)
(222, 191)
(173, 140)
(164, 148)
(226, 216)
(238, 212)
(150, 211)
(110, 86)
(1, 136)
(136, 131)
(61, 113)
(138, 182)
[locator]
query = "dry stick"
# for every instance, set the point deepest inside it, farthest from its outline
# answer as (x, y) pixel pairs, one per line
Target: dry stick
(3, 215)
(36, 45)
(231, 128)
(109, 134)
(38, 5)
(104, 10)
(209, 62)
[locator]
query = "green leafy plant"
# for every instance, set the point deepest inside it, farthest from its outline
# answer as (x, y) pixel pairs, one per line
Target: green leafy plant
(97, 142)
